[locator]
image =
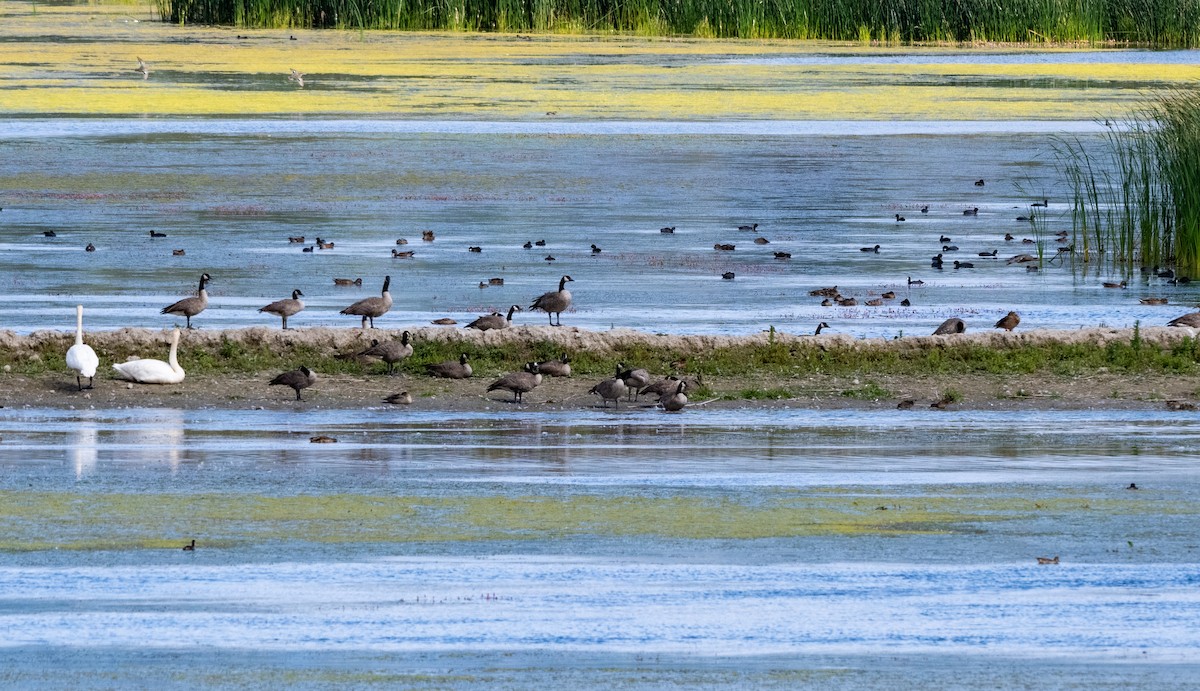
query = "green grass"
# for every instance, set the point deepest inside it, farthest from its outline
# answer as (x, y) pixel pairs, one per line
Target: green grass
(1164, 23)
(868, 392)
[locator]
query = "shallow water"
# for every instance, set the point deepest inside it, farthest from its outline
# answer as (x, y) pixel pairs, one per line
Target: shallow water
(438, 542)
(230, 194)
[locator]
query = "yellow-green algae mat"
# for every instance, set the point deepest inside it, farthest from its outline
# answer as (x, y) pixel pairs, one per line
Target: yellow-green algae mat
(109, 521)
(82, 60)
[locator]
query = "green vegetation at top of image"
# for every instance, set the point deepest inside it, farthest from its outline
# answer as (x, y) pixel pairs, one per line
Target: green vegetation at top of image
(1136, 201)
(1165, 23)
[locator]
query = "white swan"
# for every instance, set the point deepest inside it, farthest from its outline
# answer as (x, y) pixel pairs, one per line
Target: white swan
(81, 357)
(153, 371)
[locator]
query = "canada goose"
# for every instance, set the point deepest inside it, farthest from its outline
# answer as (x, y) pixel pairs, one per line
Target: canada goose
(829, 292)
(444, 321)
(473, 248)
(925, 209)
(988, 254)
(751, 227)
(285, 308)
(370, 308)
(668, 230)
(451, 369)
(944, 239)
(483, 285)
(724, 247)
(402, 398)
(917, 282)
(1021, 259)
(611, 389)
(495, 281)
(1191, 319)
(783, 255)
(888, 295)
(820, 326)
(1110, 284)
(409, 254)
(953, 325)
(674, 402)
(143, 69)
(595, 249)
(874, 249)
(528, 245)
(81, 357)
(297, 77)
(90, 248)
(49, 234)
(1008, 322)
(899, 218)
(905, 303)
(347, 281)
(556, 368)
(1048, 560)
(761, 241)
(390, 352)
(519, 383)
(973, 211)
(540, 243)
(874, 302)
(905, 404)
(494, 321)
(661, 387)
(949, 248)
(156, 234)
(147, 371)
(964, 265)
(177, 253)
(728, 275)
(299, 240)
(190, 547)
(979, 183)
(554, 302)
(634, 378)
(190, 307)
(297, 379)
(1027, 241)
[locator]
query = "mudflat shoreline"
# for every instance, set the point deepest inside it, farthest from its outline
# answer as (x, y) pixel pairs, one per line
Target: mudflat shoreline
(875, 384)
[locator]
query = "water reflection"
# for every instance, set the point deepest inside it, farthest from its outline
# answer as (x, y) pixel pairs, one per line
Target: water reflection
(82, 448)
(155, 437)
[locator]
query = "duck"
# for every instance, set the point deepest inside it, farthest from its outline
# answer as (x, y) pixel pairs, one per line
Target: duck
(827, 302)
(820, 326)
(595, 249)
(925, 209)
(427, 235)
(829, 292)
(1165, 273)
(943, 403)
(494, 320)
(917, 282)
(611, 389)
(519, 383)
(322, 245)
(285, 308)
(949, 248)
(1021, 259)
(1048, 560)
(752, 227)
(408, 254)
(178, 253)
(156, 234)
(1043, 203)
(141, 67)
(1153, 301)
(390, 352)
(899, 218)
(634, 378)
(874, 302)
(308, 249)
(667, 230)
(783, 255)
(973, 211)
(761, 241)
(556, 368)
(1024, 219)
(495, 281)
(888, 295)
(724, 247)
(1110, 284)
(297, 379)
(49, 234)
(190, 307)
(322, 439)
(1180, 406)
(539, 243)
(944, 239)
(1028, 241)
(296, 76)
(953, 325)
(90, 248)
(874, 249)
(451, 369)
(905, 303)
(1008, 322)
(848, 302)
(528, 245)
(550, 258)
(661, 387)
(906, 404)
(989, 254)
(148, 371)
(347, 282)
(728, 275)
(474, 248)
(979, 182)
(298, 239)
(675, 401)
(444, 321)
(1191, 319)
(190, 547)
(81, 357)
(555, 301)
(964, 265)
(401, 241)
(1008, 237)
(372, 307)
(402, 398)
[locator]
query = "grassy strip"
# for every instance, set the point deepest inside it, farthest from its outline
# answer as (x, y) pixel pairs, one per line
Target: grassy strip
(776, 359)
(1165, 23)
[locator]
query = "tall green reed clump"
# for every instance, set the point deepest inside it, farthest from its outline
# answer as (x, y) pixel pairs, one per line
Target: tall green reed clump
(1136, 197)
(1164, 23)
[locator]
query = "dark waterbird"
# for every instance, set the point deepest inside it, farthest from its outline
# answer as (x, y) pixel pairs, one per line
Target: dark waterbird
(297, 379)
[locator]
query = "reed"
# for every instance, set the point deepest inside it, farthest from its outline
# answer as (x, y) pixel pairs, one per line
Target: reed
(1162, 23)
(1136, 196)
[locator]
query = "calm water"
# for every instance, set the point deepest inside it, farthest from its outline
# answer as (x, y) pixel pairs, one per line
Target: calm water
(231, 193)
(965, 596)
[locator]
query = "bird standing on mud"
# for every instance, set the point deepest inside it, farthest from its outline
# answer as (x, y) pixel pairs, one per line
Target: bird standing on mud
(519, 383)
(390, 352)
(298, 379)
(554, 302)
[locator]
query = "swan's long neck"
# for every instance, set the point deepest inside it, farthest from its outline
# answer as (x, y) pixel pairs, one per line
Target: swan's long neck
(79, 325)
(171, 356)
